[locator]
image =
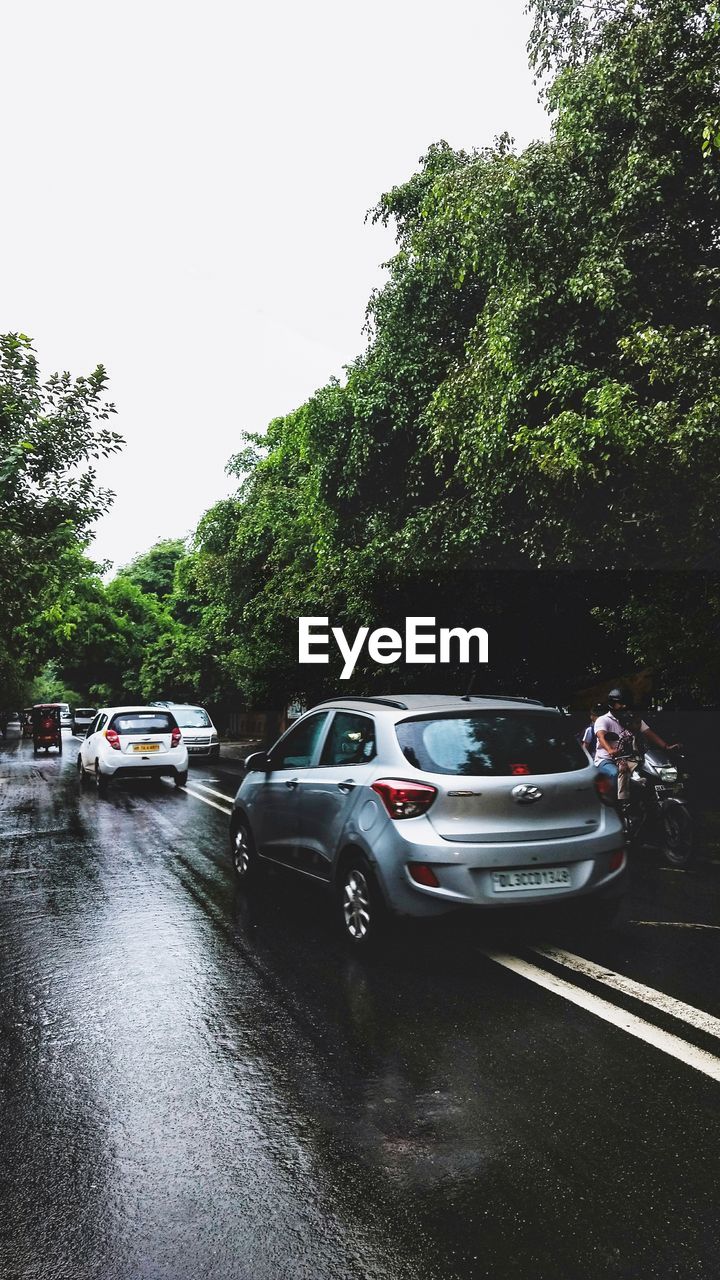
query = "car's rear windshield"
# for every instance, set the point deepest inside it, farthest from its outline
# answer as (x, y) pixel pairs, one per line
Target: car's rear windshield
(192, 718)
(85, 712)
(143, 722)
(500, 743)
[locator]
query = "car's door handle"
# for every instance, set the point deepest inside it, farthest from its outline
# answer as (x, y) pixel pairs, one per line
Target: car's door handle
(347, 785)
(291, 783)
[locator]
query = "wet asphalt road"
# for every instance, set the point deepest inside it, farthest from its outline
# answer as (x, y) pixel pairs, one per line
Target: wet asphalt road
(200, 1086)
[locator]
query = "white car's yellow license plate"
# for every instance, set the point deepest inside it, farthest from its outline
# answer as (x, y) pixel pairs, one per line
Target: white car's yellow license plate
(527, 881)
(144, 747)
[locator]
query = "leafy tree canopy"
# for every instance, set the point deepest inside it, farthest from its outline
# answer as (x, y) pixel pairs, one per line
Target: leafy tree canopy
(539, 391)
(153, 571)
(52, 433)
(540, 384)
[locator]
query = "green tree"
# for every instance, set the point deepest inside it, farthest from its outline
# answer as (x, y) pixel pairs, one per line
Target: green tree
(539, 389)
(52, 433)
(106, 637)
(153, 571)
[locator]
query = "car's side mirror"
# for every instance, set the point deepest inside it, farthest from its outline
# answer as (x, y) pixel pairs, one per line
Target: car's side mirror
(258, 762)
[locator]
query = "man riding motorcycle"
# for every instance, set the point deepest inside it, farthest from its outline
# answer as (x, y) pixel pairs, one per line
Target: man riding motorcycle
(610, 730)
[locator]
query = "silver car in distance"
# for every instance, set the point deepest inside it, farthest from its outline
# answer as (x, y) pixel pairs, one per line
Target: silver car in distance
(418, 805)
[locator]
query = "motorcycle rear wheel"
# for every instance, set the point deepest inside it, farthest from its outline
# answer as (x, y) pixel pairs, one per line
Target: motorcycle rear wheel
(677, 846)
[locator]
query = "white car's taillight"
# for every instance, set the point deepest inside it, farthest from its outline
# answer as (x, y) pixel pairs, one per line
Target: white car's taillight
(404, 799)
(606, 788)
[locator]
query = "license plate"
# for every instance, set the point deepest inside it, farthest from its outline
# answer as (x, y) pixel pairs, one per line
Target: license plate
(144, 747)
(194, 751)
(527, 881)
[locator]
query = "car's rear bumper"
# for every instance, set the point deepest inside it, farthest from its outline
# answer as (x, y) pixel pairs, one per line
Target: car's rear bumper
(168, 764)
(468, 873)
(144, 771)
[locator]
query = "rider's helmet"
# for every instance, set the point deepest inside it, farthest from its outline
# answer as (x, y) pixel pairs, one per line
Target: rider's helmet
(628, 716)
(617, 695)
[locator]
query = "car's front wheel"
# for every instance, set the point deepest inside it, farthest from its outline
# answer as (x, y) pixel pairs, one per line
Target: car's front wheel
(361, 911)
(242, 851)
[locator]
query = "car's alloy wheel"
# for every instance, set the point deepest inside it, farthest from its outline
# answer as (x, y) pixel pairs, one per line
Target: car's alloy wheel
(362, 911)
(242, 852)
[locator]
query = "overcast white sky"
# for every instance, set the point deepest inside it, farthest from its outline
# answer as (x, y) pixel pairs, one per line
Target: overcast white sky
(185, 189)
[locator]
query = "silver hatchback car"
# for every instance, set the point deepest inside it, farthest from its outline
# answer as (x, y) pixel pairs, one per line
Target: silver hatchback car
(419, 805)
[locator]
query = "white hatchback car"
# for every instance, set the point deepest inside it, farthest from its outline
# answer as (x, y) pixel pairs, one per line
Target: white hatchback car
(133, 742)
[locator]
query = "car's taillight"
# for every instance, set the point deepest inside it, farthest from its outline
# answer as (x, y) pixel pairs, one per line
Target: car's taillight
(405, 799)
(617, 859)
(113, 738)
(176, 738)
(606, 788)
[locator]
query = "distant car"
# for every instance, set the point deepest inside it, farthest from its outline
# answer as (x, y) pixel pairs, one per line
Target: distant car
(199, 733)
(419, 805)
(132, 742)
(65, 715)
(82, 718)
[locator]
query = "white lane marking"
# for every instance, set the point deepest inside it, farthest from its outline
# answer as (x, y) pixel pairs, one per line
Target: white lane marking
(673, 924)
(699, 1059)
(220, 794)
(627, 986)
(196, 794)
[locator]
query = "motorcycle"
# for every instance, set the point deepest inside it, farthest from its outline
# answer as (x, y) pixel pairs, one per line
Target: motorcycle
(656, 812)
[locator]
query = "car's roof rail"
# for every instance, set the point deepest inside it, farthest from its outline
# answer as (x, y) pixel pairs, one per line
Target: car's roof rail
(351, 697)
(502, 697)
(403, 706)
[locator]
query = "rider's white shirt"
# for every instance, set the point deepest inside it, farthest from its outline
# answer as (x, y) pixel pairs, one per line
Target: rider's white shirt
(608, 724)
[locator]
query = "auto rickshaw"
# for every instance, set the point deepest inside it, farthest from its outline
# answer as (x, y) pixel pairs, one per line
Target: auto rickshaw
(46, 727)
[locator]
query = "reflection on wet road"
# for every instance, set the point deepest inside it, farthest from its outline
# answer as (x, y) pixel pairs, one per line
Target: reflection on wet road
(200, 1084)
